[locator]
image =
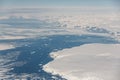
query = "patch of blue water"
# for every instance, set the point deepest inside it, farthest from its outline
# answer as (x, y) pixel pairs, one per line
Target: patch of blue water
(36, 53)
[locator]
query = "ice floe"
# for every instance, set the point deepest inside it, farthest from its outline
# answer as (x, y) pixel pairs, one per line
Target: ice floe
(87, 62)
(6, 46)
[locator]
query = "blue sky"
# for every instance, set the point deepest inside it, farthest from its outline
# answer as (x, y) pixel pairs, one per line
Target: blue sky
(56, 3)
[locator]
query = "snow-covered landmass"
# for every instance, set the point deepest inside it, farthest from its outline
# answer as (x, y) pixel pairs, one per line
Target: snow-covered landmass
(87, 62)
(6, 46)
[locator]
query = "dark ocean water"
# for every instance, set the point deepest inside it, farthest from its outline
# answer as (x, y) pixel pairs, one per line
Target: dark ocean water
(34, 53)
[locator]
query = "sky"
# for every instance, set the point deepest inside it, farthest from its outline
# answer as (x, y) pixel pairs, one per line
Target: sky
(57, 3)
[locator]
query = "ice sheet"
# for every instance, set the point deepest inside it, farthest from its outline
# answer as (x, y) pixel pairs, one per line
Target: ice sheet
(87, 62)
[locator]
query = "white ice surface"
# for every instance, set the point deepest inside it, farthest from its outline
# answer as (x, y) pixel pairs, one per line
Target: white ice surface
(87, 62)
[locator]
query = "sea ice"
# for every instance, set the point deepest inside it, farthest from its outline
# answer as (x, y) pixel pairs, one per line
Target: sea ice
(87, 62)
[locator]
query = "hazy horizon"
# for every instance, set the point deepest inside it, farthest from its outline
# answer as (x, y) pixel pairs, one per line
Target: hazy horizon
(57, 3)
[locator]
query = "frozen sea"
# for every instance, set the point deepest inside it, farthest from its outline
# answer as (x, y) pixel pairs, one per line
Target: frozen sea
(25, 49)
(30, 57)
